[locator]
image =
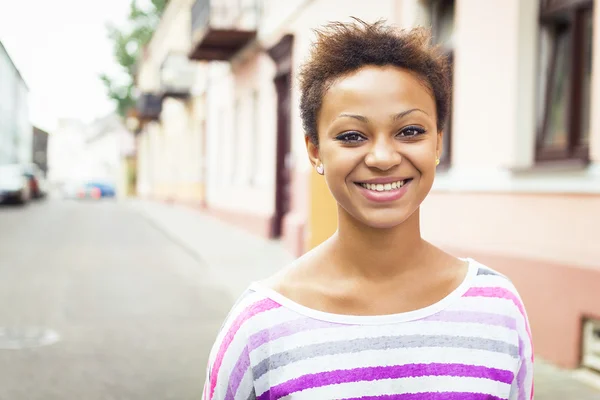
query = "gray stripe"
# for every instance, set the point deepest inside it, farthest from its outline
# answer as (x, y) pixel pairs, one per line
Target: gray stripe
(485, 271)
(380, 343)
(252, 395)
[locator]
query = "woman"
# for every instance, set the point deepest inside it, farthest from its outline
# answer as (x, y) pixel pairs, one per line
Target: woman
(375, 312)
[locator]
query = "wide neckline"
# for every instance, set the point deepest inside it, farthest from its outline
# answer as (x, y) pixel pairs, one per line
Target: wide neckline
(372, 319)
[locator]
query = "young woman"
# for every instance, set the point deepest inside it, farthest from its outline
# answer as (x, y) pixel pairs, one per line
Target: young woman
(375, 312)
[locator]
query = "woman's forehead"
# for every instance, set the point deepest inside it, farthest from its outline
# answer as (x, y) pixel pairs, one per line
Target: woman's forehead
(378, 89)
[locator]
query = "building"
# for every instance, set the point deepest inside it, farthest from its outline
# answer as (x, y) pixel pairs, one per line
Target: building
(15, 126)
(519, 183)
(39, 154)
(170, 111)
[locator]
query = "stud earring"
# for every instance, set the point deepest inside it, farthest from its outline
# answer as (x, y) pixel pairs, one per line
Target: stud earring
(320, 169)
(437, 162)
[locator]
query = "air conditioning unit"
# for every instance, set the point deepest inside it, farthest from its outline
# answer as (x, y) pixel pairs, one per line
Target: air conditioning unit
(591, 344)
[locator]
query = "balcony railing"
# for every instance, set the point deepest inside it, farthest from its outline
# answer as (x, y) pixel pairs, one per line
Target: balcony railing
(221, 28)
(149, 107)
(177, 74)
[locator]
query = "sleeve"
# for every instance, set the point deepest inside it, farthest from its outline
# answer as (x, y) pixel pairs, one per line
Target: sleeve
(229, 379)
(522, 385)
(229, 372)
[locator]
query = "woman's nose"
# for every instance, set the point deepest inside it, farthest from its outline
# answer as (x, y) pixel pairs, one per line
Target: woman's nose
(383, 155)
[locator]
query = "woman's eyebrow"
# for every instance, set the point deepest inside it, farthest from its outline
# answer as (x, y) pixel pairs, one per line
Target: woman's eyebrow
(405, 113)
(361, 118)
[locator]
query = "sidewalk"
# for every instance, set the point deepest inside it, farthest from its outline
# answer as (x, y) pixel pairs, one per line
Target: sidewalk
(235, 258)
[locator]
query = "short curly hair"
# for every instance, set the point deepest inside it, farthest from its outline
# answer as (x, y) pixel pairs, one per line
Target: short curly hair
(342, 48)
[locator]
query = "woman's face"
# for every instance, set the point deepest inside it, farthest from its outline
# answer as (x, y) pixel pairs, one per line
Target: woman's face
(378, 144)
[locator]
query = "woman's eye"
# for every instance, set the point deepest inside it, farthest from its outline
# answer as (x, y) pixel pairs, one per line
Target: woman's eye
(350, 137)
(411, 131)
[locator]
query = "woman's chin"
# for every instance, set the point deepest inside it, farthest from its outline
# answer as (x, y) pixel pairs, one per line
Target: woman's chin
(384, 219)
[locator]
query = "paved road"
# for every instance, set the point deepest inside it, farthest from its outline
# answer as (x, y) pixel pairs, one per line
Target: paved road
(135, 313)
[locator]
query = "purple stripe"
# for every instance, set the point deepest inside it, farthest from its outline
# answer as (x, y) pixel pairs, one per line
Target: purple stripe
(286, 329)
(369, 374)
(237, 374)
(475, 317)
(431, 396)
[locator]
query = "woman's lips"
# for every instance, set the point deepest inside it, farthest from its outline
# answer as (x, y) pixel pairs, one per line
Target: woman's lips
(382, 193)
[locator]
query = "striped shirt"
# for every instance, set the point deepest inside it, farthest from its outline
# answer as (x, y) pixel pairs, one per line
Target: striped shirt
(473, 344)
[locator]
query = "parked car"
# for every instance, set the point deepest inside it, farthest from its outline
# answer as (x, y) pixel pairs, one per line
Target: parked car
(96, 190)
(37, 181)
(14, 184)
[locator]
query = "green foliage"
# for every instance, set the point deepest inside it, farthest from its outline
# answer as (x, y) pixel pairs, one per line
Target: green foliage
(128, 42)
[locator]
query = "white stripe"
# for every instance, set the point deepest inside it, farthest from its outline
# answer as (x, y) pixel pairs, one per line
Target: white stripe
(234, 313)
(406, 385)
(345, 333)
(269, 319)
(231, 357)
(376, 358)
(492, 305)
(494, 281)
(246, 386)
(233, 352)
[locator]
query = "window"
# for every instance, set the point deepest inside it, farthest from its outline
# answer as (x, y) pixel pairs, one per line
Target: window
(566, 63)
(442, 29)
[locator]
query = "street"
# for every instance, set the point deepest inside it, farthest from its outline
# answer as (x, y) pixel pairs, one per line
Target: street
(99, 300)
(134, 312)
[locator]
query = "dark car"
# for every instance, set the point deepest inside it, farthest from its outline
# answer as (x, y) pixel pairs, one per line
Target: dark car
(14, 184)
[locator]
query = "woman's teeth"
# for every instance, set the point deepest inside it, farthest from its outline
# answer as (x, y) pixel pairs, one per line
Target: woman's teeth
(383, 187)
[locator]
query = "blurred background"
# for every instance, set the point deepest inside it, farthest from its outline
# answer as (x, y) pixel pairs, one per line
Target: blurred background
(152, 164)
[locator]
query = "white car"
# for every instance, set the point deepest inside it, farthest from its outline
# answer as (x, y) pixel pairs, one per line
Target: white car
(14, 184)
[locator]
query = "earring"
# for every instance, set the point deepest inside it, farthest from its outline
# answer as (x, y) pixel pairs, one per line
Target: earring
(437, 162)
(320, 169)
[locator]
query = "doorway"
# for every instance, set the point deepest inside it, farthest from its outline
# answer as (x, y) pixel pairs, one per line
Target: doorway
(281, 53)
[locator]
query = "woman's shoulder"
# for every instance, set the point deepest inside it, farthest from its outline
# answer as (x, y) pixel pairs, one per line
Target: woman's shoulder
(494, 290)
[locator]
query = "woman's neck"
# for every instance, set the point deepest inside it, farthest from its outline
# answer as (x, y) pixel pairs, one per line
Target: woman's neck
(375, 254)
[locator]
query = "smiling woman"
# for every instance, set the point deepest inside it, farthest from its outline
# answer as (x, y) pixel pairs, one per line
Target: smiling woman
(375, 311)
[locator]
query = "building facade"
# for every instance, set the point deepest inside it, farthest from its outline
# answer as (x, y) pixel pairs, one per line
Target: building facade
(170, 135)
(16, 136)
(519, 183)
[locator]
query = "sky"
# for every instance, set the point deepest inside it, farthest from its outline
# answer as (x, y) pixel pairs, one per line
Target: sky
(61, 47)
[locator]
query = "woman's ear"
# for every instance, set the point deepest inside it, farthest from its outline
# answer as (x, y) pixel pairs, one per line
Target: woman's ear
(313, 153)
(439, 147)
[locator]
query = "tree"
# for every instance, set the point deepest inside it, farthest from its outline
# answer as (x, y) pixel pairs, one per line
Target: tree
(128, 43)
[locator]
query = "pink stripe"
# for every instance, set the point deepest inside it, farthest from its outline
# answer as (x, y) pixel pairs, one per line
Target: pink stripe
(502, 293)
(249, 312)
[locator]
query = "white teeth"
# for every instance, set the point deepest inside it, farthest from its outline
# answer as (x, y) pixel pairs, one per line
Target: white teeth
(380, 187)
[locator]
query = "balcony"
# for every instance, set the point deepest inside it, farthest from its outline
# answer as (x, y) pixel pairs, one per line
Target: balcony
(149, 107)
(177, 75)
(221, 28)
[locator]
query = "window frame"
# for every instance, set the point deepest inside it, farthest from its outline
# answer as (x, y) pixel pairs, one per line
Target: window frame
(436, 8)
(570, 14)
